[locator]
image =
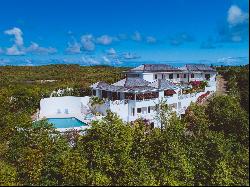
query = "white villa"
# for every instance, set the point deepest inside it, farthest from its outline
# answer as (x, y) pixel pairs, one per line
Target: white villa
(137, 94)
(143, 87)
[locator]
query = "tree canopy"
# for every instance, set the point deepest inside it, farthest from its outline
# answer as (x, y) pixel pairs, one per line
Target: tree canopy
(208, 146)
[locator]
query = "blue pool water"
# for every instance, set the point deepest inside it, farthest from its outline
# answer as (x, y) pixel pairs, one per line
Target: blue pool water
(66, 122)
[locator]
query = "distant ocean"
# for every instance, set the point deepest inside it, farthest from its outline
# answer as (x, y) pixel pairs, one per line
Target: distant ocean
(129, 63)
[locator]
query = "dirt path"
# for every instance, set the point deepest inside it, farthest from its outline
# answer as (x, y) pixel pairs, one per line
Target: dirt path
(220, 89)
(221, 86)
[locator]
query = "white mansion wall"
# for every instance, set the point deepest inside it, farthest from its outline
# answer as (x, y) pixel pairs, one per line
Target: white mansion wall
(52, 105)
(121, 108)
(198, 76)
(147, 76)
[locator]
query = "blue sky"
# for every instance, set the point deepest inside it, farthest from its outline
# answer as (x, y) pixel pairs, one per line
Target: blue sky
(124, 32)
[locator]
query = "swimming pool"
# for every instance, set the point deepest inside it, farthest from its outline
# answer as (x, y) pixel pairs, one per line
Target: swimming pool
(66, 122)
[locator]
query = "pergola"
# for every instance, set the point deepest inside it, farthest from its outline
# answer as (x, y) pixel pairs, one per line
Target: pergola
(132, 92)
(141, 96)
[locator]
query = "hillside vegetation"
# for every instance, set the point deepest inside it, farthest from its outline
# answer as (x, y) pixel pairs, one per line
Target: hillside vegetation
(209, 146)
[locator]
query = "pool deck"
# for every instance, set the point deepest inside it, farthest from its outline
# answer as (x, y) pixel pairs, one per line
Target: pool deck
(77, 116)
(73, 128)
(80, 117)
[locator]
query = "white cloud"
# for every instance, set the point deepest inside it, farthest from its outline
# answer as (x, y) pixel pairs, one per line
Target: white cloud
(28, 62)
(4, 61)
(90, 61)
(36, 49)
(136, 36)
(106, 40)
(106, 60)
(18, 47)
(88, 42)
(232, 61)
(18, 35)
(129, 56)
(111, 51)
(117, 61)
(73, 48)
(236, 16)
(237, 29)
(14, 50)
(150, 39)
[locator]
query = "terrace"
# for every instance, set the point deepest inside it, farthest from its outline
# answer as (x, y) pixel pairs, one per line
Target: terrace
(133, 89)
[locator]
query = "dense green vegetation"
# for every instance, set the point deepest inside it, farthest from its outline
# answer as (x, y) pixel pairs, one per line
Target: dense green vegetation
(238, 82)
(209, 146)
(27, 84)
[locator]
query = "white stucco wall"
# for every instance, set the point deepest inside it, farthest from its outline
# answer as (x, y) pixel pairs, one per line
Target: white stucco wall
(148, 76)
(125, 110)
(199, 76)
(50, 106)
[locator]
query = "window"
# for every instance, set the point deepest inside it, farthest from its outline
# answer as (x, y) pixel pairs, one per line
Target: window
(185, 76)
(94, 92)
(192, 75)
(171, 76)
(138, 110)
(104, 94)
(133, 75)
(149, 109)
(115, 96)
(178, 76)
(207, 76)
(144, 110)
(155, 76)
(162, 76)
(133, 111)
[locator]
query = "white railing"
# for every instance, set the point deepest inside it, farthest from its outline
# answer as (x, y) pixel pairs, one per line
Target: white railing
(211, 83)
(184, 96)
(119, 102)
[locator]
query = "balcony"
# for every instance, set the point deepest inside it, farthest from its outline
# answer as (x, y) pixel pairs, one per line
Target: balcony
(185, 96)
